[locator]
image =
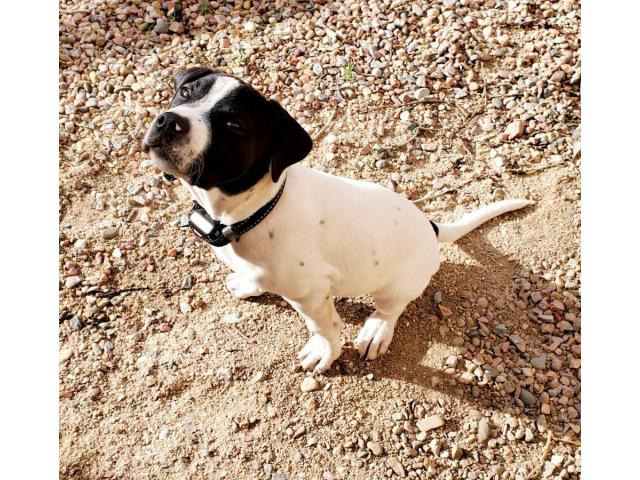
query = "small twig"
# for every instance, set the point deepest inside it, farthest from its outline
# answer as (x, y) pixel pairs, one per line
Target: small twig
(326, 125)
(431, 196)
(239, 332)
(118, 292)
(73, 12)
(569, 442)
(402, 105)
(411, 138)
(545, 451)
(529, 171)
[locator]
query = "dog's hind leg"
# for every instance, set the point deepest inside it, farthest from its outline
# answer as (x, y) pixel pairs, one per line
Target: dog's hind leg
(374, 338)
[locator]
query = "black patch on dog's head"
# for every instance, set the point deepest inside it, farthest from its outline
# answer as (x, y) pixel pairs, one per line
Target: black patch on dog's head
(250, 135)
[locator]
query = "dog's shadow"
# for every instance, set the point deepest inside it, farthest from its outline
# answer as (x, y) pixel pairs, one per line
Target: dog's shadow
(423, 339)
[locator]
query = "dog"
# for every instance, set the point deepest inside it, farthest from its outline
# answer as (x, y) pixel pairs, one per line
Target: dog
(312, 236)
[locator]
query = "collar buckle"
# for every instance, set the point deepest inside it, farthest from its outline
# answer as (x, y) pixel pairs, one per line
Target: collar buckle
(229, 233)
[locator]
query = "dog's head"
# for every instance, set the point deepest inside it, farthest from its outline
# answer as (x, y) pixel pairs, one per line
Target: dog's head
(220, 132)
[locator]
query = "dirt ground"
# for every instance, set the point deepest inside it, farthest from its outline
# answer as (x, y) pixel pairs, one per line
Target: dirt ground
(165, 375)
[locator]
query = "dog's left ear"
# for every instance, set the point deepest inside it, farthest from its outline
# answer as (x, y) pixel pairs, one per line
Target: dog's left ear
(291, 143)
(189, 75)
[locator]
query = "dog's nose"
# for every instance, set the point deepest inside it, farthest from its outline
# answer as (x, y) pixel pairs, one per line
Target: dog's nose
(171, 123)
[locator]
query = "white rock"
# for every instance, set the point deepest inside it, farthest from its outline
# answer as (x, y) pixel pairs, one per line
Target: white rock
(309, 384)
(65, 354)
(430, 423)
(230, 318)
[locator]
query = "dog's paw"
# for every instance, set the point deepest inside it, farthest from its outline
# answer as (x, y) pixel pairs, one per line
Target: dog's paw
(374, 338)
(242, 287)
(319, 352)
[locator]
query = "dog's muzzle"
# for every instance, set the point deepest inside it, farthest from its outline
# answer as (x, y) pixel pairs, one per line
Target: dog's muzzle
(166, 128)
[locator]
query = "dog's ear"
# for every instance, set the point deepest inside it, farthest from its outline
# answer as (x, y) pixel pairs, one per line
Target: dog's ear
(189, 75)
(290, 142)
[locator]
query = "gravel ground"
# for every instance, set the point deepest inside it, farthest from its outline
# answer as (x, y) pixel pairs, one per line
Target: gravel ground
(455, 103)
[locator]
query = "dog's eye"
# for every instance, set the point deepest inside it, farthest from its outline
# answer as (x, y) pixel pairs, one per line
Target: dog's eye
(184, 92)
(235, 126)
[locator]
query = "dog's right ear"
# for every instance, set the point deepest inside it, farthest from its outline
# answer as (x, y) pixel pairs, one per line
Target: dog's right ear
(189, 75)
(291, 142)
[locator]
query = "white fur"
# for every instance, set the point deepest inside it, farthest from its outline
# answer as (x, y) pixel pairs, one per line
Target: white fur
(332, 237)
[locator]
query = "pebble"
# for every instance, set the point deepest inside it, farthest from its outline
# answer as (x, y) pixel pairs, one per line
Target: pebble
(187, 282)
(484, 430)
(72, 281)
(396, 466)
(456, 452)
(185, 307)
(76, 324)
(466, 378)
(539, 362)
(65, 354)
(517, 341)
(230, 318)
(310, 384)
(548, 469)
(515, 129)
(94, 393)
(430, 423)
(528, 398)
(110, 233)
(421, 93)
(161, 27)
(375, 448)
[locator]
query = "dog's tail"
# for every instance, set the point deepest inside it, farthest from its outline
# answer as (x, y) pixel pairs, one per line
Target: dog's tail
(450, 232)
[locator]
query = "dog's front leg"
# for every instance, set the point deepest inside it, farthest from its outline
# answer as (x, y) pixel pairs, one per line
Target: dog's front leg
(324, 323)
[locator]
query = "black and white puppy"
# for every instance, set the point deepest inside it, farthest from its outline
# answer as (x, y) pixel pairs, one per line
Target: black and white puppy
(326, 237)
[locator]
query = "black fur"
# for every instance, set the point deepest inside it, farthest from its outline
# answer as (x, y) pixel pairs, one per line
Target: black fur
(435, 227)
(266, 139)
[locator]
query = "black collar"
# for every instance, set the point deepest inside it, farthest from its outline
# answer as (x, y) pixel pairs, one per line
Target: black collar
(218, 234)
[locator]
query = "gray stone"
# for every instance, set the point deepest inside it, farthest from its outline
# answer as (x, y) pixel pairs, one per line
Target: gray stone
(539, 362)
(161, 27)
(517, 341)
(421, 93)
(76, 324)
(528, 398)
